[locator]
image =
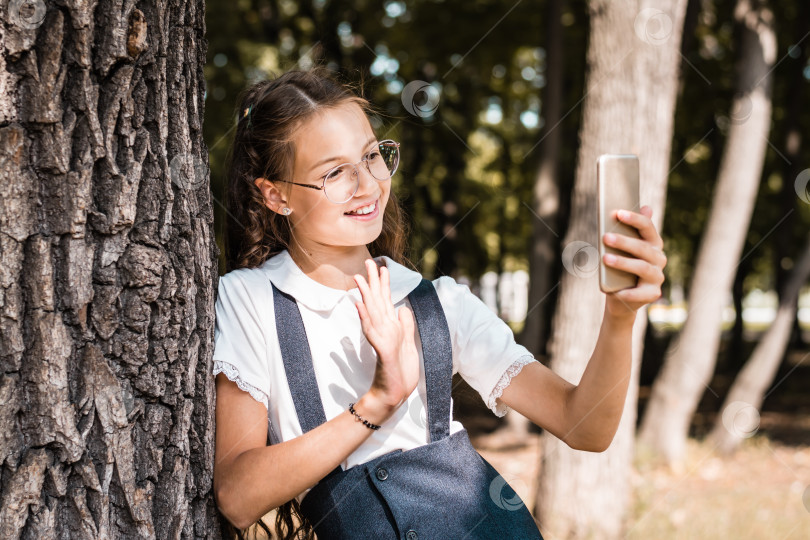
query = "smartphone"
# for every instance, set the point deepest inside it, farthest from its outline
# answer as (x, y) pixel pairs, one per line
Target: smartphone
(617, 187)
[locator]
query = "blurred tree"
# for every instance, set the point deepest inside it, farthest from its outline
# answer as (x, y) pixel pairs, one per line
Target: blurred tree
(739, 415)
(545, 245)
(633, 60)
(689, 361)
(795, 101)
(108, 273)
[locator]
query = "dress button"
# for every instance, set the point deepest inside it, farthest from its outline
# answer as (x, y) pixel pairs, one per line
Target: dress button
(411, 535)
(382, 473)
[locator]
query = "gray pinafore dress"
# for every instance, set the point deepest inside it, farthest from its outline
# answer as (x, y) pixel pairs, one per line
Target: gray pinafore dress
(441, 490)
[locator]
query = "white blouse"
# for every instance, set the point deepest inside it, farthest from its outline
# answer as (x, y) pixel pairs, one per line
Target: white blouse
(247, 350)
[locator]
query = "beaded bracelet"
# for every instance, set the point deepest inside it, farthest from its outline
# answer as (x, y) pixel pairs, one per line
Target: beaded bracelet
(359, 418)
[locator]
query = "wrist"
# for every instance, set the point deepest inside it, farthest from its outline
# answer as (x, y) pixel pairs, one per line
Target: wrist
(373, 409)
(623, 320)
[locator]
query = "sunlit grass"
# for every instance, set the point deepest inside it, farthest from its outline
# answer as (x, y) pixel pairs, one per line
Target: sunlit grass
(754, 494)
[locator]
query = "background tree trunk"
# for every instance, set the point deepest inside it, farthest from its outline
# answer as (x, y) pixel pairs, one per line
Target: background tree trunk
(108, 274)
(690, 359)
(796, 103)
(739, 416)
(546, 204)
(633, 60)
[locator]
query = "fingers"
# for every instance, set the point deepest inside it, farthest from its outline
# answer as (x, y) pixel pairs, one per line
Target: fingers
(370, 290)
(406, 318)
(365, 321)
(638, 295)
(377, 292)
(643, 223)
(374, 285)
(642, 249)
(643, 269)
(385, 287)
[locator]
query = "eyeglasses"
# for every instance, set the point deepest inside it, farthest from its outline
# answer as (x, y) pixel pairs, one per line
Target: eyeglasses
(341, 183)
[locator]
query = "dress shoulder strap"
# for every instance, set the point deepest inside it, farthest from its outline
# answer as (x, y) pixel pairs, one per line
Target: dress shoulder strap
(437, 354)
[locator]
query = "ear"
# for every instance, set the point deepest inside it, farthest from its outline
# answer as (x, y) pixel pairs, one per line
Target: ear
(273, 198)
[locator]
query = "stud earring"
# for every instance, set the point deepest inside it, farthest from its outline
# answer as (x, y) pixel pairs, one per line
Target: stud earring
(286, 211)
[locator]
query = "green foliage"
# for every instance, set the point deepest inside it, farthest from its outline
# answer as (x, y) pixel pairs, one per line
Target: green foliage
(468, 170)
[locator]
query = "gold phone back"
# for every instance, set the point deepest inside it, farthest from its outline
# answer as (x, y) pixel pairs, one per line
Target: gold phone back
(617, 188)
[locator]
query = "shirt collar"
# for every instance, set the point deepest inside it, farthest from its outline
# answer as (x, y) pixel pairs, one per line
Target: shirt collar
(288, 277)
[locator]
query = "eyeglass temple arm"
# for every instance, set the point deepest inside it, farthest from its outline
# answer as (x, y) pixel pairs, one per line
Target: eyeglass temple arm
(300, 184)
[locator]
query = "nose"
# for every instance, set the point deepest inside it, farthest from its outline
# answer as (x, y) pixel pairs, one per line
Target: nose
(366, 182)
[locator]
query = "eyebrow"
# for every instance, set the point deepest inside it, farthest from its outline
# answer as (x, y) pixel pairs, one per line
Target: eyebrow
(335, 158)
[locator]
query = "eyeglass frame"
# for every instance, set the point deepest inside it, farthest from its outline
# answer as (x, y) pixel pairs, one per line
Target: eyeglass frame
(364, 160)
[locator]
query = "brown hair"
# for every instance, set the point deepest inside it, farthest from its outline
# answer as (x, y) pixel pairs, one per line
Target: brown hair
(269, 112)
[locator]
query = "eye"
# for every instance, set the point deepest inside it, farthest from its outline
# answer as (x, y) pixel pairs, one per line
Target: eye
(373, 155)
(333, 174)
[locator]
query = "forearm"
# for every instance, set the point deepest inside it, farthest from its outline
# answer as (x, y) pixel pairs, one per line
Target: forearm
(594, 407)
(261, 479)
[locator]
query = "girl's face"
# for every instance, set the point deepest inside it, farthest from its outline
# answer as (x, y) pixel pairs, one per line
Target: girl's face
(330, 138)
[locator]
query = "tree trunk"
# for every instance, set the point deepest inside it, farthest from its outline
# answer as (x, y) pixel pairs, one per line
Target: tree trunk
(795, 103)
(108, 274)
(689, 362)
(739, 418)
(633, 60)
(546, 204)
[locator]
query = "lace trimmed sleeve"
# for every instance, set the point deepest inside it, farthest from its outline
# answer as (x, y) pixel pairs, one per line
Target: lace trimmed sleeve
(240, 345)
(499, 408)
(485, 352)
(232, 373)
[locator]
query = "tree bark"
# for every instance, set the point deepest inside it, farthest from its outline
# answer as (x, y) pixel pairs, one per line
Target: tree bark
(739, 418)
(546, 203)
(108, 277)
(633, 59)
(690, 360)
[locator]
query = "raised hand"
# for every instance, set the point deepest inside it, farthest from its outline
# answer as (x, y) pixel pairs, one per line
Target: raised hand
(392, 336)
(647, 263)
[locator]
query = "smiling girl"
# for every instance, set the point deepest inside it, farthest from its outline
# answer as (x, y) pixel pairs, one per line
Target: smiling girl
(333, 359)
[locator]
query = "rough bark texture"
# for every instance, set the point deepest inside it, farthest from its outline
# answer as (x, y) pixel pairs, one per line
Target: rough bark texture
(689, 361)
(108, 273)
(633, 59)
(739, 418)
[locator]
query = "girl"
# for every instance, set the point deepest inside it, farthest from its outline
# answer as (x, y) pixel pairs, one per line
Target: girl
(333, 359)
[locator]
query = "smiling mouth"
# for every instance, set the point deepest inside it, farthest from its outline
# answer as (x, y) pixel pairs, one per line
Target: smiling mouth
(376, 204)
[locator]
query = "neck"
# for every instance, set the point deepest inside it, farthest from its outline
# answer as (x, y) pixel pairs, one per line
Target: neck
(332, 266)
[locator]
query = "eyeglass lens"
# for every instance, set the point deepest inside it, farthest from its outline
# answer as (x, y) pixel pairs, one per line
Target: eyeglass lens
(341, 182)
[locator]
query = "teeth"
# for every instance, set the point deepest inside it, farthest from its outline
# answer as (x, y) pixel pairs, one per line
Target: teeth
(364, 209)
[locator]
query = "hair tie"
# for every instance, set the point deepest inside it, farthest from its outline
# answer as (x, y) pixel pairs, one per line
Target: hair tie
(247, 113)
